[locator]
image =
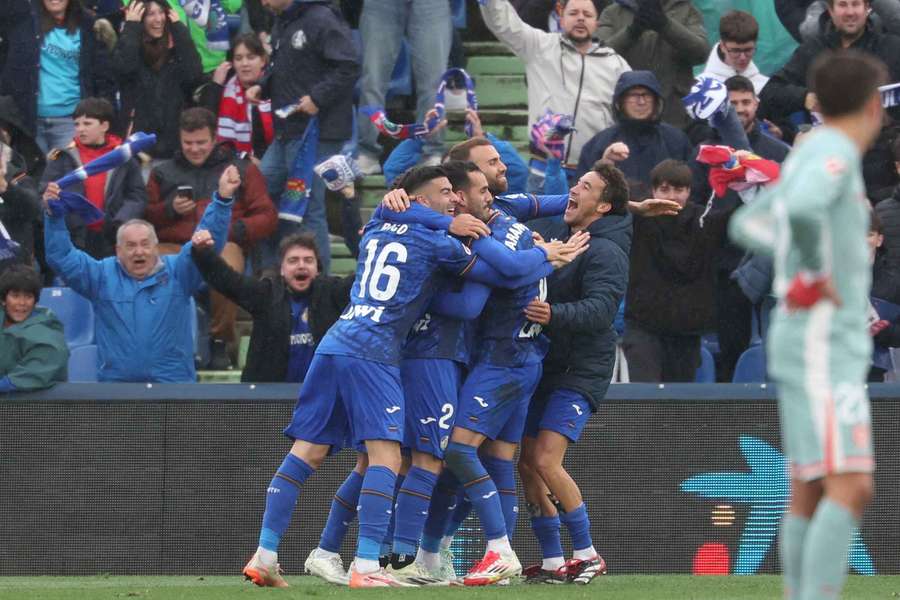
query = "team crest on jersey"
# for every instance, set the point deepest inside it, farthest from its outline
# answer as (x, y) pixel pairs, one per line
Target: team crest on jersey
(298, 40)
(444, 442)
(305, 316)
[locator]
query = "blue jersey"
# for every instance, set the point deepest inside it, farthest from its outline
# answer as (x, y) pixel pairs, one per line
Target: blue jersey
(437, 336)
(505, 337)
(394, 283)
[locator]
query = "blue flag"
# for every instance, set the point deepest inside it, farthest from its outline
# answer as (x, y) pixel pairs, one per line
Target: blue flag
(295, 197)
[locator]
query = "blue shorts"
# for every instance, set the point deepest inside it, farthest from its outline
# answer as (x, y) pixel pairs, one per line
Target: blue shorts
(494, 400)
(345, 399)
(562, 411)
(430, 386)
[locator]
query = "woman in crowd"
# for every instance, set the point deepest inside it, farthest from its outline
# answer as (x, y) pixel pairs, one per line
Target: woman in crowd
(73, 65)
(248, 127)
(158, 68)
(33, 351)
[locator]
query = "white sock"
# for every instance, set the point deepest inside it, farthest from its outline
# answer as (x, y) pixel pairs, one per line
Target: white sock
(584, 554)
(364, 565)
(552, 564)
(267, 557)
(322, 553)
(446, 541)
(430, 560)
(500, 545)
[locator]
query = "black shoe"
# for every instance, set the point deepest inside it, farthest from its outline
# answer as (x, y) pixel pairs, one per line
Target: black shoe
(536, 575)
(218, 356)
(398, 561)
(384, 561)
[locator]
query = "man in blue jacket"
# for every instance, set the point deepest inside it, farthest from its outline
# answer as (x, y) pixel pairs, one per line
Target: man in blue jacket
(583, 298)
(141, 299)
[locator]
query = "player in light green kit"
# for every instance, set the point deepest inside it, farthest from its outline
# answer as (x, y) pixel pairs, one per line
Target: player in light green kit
(814, 222)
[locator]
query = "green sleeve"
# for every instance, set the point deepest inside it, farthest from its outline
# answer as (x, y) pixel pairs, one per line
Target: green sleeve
(44, 361)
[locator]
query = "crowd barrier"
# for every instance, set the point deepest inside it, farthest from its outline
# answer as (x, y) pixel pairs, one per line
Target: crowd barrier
(171, 479)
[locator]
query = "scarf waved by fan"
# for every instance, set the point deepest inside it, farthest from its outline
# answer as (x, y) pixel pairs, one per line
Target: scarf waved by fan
(95, 185)
(295, 197)
(236, 118)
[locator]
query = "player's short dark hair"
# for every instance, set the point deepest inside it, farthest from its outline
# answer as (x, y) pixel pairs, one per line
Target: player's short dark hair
(674, 172)
(20, 278)
(413, 180)
(196, 118)
(739, 83)
(739, 27)
(844, 81)
(95, 108)
(463, 150)
(458, 173)
(302, 240)
(615, 191)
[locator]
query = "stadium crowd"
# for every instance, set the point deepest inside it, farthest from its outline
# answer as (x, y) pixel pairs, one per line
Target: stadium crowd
(226, 210)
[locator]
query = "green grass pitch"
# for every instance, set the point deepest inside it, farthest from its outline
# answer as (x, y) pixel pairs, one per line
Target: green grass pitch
(613, 587)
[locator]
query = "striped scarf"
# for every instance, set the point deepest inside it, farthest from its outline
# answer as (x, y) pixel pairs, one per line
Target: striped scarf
(235, 120)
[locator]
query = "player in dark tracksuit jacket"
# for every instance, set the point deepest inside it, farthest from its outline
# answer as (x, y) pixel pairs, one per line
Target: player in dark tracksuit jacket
(582, 302)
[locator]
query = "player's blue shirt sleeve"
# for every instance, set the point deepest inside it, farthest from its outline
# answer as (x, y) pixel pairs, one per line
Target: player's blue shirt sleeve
(415, 214)
(510, 263)
(404, 156)
(525, 207)
(465, 304)
(453, 257)
(555, 182)
(484, 273)
(516, 169)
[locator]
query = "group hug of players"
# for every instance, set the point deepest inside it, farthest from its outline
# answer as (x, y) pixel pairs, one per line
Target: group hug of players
(431, 371)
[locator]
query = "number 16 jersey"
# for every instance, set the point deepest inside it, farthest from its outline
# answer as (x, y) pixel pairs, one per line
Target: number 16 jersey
(394, 282)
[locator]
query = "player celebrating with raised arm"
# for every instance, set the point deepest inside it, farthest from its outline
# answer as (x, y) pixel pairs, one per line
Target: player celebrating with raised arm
(815, 221)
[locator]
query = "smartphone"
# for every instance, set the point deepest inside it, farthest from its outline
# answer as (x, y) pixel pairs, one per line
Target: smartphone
(186, 190)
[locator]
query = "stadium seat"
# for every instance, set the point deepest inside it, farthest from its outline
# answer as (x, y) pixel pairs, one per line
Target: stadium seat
(751, 366)
(83, 364)
(75, 312)
(706, 373)
(710, 341)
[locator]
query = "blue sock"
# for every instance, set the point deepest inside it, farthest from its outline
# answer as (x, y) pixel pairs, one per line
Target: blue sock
(503, 473)
(480, 489)
(413, 500)
(576, 521)
(376, 500)
(342, 513)
(443, 502)
(281, 496)
(460, 513)
(388, 541)
(546, 530)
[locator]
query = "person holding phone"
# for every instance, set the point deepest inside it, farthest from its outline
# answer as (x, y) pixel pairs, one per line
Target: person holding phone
(157, 67)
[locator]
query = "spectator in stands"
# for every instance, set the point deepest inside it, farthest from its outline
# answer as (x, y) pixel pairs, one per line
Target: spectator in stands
(408, 153)
(72, 65)
(291, 312)
(426, 25)
(733, 54)
(119, 194)
(563, 70)
(208, 29)
(885, 322)
(734, 307)
(180, 190)
(15, 134)
(142, 301)
(849, 26)
(157, 67)
(805, 19)
(20, 205)
(314, 68)
(663, 36)
(20, 53)
(33, 351)
(245, 125)
(639, 140)
(888, 212)
(671, 288)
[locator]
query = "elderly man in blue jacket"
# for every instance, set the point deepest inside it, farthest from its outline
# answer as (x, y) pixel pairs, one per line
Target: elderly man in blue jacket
(141, 299)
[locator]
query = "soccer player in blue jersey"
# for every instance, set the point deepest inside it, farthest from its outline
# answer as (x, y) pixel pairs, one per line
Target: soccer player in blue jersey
(353, 384)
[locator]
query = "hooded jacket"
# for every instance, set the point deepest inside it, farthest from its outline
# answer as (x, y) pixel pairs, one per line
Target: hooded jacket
(312, 54)
(142, 327)
(584, 298)
(671, 53)
(252, 219)
(124, 193)
(559, 76)
(268, 301)
(718, 70)
(20, 210)
(33, 353)
(649, 142)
